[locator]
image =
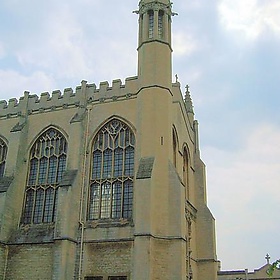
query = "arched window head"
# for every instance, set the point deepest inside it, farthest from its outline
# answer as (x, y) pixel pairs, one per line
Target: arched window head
(160, 24)
(3, 155)
(46, 165)
(151, 23)
(112, 173)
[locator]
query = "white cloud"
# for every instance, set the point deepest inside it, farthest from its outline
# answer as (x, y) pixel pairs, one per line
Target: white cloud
(244, 195)
(13, 84)
(69, 48)
(250, 17)
(183, 44)
(60, 48)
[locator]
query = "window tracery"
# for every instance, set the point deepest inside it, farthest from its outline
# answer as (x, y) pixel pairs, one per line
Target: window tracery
(46, 166)
(3, 155)
(111, 182)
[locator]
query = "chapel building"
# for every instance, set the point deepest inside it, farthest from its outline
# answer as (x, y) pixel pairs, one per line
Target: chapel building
(106, 183)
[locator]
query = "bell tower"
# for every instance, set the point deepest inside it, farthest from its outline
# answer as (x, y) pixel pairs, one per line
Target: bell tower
(154, 43)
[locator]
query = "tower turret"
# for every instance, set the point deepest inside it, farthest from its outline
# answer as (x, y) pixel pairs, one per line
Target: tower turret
(154, 47)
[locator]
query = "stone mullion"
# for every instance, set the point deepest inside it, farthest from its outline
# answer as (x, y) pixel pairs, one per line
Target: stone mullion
(165, 23)
(145, 29)
(156, 35)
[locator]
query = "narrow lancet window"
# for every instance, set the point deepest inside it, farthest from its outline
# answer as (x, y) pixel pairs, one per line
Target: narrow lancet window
(46, 165)
(186, 172)
(151, 23)
(174, 138)
(111, 182)
(3, 155)
(160, 24)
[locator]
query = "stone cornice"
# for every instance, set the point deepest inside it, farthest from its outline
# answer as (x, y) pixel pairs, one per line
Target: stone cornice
(155, 6)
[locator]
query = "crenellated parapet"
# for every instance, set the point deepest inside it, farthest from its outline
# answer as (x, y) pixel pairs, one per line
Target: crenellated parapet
(83, 95)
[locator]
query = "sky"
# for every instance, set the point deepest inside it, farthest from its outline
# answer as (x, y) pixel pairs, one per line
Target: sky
(227, 51)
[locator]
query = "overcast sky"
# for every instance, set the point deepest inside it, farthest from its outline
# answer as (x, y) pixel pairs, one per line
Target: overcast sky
(227, 51)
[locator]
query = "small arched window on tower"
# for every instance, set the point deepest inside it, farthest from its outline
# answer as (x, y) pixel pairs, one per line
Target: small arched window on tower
(160, 24)
(3, 155)
(46, 165)
(151, 23)
(186, 172)
(111, 182)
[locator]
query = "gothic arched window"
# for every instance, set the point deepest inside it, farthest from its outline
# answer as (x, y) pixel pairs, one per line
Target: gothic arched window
(46, 165)
(151, 23)
(160, 24)
(186, 172)
(3, 155)
(112, 173)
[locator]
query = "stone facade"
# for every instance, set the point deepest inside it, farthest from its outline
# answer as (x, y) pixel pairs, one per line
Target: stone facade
(62, 218)
(257, 274)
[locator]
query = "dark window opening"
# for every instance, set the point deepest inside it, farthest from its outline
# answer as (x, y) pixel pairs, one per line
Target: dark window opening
(3, 155)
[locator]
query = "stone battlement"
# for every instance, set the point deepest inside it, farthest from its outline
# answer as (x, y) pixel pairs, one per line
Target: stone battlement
(84, 94)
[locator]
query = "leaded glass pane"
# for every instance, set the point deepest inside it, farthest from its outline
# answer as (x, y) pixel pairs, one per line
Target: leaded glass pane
(97, 161)
(43, 165)
(29, 202)
(118, 163)
(33, 172)
(39, 204)
(105, 200)
(52, 170)
(49, 202)
(107, 164)
(127, 199)
(117, 200)
(94, 201)
(129, 161)
(61, 167)
(112, 166)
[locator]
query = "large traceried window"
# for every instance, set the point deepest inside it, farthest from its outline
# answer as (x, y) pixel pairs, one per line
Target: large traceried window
(111, 182)
(3, 155)
(46, 165)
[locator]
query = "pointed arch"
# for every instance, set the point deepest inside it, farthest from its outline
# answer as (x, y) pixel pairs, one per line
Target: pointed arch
(40, 133)
(105, 122)
(112, 172)
(3, 156)
(47, 162)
